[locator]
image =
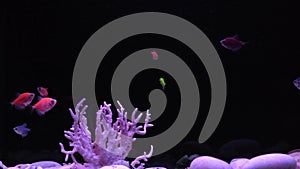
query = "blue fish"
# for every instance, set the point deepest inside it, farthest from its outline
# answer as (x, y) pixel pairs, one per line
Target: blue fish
(22, 130)
(297, 83)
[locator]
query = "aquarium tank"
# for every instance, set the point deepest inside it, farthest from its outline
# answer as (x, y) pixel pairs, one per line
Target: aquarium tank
(195, 84)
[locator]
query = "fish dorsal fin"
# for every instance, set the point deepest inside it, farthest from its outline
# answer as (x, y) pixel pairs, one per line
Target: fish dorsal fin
(25, 125)
(236, 36)
(39, 98)
(43, 87)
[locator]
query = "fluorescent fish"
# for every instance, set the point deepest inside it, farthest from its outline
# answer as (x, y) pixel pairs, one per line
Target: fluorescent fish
(22, 130)
(44, 105)
(42, 91)
(162, 82)
(23, 100)
(154, 55)
(297, 83)
(232, 43)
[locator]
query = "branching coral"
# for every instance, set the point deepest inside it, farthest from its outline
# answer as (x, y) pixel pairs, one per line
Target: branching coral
(2, 165)
(144, 157)
(113, 141)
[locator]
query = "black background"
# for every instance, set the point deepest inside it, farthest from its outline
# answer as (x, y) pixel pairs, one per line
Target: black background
(40, 42)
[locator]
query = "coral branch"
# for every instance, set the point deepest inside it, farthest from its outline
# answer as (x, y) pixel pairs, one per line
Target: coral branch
(2, 165)
(142, 157)
(145, 125)
(62, 149)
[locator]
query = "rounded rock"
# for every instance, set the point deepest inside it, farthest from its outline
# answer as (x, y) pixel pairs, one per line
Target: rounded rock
(115, 167)
(238, 163)
(207, 162)
(271, 161)
(296, 156)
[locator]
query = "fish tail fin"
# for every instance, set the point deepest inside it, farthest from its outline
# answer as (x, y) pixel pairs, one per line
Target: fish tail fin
(245, 43)
(11, 105)
(26, 132)
(31, 108)
(19, 107)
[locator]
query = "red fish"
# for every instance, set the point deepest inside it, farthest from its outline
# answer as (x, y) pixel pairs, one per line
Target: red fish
(44, 105)
(23, 100)
(154, 55)
(43, 91)
(232, 43)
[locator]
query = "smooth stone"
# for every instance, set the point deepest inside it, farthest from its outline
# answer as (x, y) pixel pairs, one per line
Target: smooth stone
(294, 151)
(296, 156)
(46, 164)
(207, 162)
(115, 167)
(238, 163)
(271, 161)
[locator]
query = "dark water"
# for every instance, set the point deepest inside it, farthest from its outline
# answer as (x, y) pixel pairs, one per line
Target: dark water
(40, 42)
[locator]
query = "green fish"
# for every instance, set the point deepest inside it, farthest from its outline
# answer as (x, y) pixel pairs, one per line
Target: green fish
(162, 82)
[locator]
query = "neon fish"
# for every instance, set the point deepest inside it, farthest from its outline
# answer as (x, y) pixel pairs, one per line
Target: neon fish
(44, 105)
(162, 82)
(22, 100)
(232, 43)
(154, 55)
(22, 130)
(42, 91)
(297, 83)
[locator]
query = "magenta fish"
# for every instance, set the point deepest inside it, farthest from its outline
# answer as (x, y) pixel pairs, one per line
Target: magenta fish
(154, 55)
(44, 105)
(232, 43)
(23, 100)
(42, 91)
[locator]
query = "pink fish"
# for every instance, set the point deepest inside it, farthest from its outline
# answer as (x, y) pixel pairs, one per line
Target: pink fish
(154, 55)
(232, 43)
(43, 91)
(44, 105)
(23, 100)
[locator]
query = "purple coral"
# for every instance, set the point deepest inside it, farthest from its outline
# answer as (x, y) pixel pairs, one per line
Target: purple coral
(2, 165)
(144, 157)
(113, 141)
